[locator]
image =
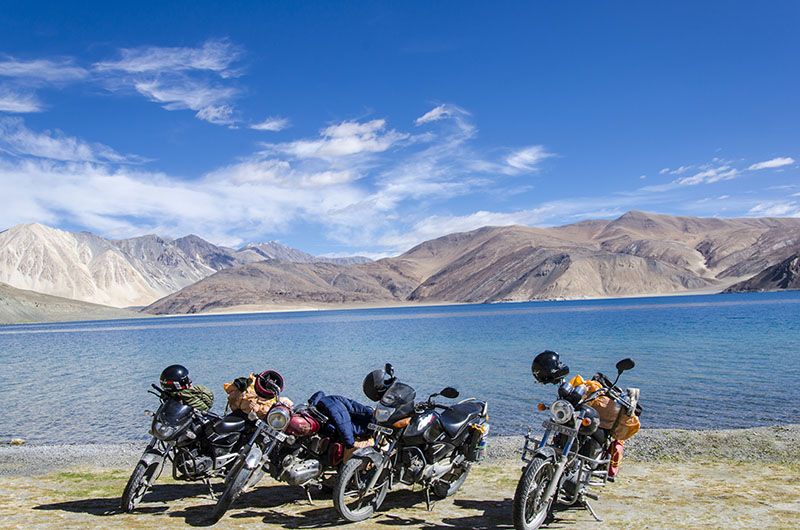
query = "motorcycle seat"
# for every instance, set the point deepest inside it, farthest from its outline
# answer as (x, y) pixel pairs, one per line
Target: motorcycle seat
(459, 416)
(231, 423)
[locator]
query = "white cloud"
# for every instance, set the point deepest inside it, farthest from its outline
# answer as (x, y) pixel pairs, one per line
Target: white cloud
(214, 56)
(665, 170)
(769, 164)
(180, 94)
(709, 176)
(437, 113)
(42, 69)
(18, 140)
(528, 158)
(271, 124)
(18, 103)
(344, 139)
(775, 209)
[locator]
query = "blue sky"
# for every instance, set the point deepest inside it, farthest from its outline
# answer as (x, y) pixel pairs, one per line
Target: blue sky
(368, 127)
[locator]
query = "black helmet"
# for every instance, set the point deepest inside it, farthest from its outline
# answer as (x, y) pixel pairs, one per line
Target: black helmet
(268, 384)
(548, 368)
(175, 377)
(378, 382)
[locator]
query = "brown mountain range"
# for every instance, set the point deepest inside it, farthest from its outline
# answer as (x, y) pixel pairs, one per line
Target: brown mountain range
(637, 254)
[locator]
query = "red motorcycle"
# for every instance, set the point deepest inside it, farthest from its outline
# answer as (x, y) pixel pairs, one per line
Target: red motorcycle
(290, 446)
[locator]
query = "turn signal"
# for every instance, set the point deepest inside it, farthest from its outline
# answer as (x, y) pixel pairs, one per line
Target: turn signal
(586, 422)
(542, 406)
(401, 423)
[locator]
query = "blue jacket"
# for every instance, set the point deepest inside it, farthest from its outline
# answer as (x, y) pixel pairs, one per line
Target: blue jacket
(349, 418)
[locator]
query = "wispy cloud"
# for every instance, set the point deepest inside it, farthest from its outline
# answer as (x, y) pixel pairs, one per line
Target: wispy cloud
(42, 70)
(178, 78)
(775, 209)
(18, 103)
(271, 124)
(709, 176)
(343, 139)
(775, 162)
(18, 140)
(214, 55)
(528, 158)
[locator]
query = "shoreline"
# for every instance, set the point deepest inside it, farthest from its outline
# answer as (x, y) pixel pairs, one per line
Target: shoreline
(773, 444)
(76, 318)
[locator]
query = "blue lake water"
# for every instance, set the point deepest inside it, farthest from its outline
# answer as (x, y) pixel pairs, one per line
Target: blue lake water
(716, 361)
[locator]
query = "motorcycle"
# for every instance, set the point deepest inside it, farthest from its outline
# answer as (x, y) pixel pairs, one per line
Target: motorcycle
(414, 444)
(289, 446)
(574, 453)
(200, 445)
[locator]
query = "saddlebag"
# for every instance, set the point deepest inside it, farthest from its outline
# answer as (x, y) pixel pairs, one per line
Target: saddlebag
(475, 446)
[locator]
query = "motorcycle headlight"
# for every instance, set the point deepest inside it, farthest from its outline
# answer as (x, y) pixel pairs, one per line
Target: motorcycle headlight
(383, 413)
(162, 432)
(278, 418)
(561, 411)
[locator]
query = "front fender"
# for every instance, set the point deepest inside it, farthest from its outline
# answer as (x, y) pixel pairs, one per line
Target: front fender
(253, 458)
(153, 454)
(371, 453)
(546, 452)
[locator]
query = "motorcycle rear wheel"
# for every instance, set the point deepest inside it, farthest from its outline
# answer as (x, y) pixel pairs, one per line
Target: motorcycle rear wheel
(137, 485)
(530, 510)
(348, 496)
(234, 485)
(452, 482)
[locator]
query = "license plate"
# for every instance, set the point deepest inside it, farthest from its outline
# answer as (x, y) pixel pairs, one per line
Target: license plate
(376, 427)
(261, 424)
(557, 427)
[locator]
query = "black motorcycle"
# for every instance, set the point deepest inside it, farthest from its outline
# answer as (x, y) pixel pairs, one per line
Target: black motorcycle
(574, 453)
(414, 444)
(200, 445)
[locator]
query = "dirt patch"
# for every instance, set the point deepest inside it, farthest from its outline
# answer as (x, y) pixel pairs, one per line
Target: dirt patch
(701, 494)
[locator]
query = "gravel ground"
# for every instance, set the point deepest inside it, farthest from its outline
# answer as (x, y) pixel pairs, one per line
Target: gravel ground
(763, 444)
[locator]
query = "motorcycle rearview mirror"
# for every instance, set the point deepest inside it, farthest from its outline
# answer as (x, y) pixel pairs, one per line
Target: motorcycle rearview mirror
(389, 369)
(449, 392)
(625, 364)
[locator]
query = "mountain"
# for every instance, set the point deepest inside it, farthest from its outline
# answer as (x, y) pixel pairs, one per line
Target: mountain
(119, 273)
(635, 255)
(276, 251)
(19, 306)
(785, 276)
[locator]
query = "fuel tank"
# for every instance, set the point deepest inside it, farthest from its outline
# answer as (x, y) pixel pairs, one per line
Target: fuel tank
(302, 424)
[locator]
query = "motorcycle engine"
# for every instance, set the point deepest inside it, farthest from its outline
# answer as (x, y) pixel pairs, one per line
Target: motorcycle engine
(298, 471)
(413, 462)
(192, 465)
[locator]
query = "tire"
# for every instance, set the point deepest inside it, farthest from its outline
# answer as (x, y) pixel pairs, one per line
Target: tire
(529, 511)
(347, 498)
(234, 485)
(137, 485)
(452, 482)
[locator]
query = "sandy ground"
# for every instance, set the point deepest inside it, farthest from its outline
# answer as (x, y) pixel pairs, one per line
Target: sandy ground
(670, 479)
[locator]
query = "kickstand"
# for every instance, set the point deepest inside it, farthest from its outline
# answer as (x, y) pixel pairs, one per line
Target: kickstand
(210, 488)
(308, 495)
(591, 511)
(428, 505)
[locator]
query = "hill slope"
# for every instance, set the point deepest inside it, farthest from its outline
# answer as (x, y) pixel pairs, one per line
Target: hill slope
(635, 255)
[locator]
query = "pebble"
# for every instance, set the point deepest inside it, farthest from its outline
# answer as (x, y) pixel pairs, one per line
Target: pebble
(774, 444)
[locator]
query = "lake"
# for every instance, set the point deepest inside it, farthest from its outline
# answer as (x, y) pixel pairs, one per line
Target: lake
(716, 361)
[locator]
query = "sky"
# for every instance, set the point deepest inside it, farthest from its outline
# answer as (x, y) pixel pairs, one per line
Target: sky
(344, 128)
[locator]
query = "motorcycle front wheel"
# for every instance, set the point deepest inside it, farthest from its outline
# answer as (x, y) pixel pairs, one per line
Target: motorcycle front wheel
(452, 481)
(236, 481)
(530, 509)
(137, 485)
(349, 497)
